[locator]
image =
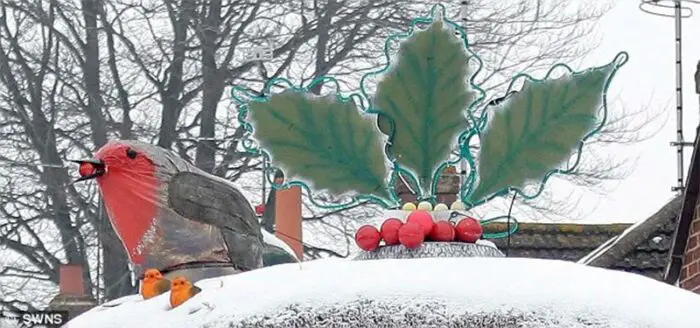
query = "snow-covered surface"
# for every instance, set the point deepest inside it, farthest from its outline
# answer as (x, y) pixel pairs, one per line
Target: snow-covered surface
(274, 241)
(608, 244)
(485, 242)
(600, 250)
(415, 293)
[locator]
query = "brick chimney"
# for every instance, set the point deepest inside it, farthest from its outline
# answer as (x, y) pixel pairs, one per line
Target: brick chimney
(288, 216)
(71, 296)
(690, 269)
(690, 272)
(447, 188)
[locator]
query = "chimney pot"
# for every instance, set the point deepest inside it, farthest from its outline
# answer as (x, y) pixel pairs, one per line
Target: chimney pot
(71, 297)
(71, 280)
(288, 216)
(447, 188)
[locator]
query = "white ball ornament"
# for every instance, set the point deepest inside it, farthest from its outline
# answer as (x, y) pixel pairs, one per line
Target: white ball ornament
(409, 207)
(458, 205)
(425, 206)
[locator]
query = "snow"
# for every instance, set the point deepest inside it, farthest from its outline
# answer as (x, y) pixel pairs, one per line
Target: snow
(609, 244)
(486, 243)
(604, 247)
(274, 241)
(413, 293)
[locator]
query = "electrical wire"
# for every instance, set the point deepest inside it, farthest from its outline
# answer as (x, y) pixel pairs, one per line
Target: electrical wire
(510, 208)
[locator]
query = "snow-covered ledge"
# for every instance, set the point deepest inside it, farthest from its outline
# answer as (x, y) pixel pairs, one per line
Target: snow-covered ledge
(433, 284)
(438, 292)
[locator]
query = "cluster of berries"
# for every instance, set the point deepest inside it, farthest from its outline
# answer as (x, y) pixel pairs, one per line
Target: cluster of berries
(419, 227)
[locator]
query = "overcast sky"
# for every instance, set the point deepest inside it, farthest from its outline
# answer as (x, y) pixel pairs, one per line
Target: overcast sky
(648, 79)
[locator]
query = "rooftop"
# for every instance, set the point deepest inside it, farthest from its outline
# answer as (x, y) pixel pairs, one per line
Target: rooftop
(555, 241)
(641, 248)
(644, 247)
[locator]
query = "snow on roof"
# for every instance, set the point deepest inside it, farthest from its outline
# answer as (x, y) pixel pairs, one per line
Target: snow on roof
(274, 241)
(428, 292)
(609, 244)
(638, 232)
(604, 247)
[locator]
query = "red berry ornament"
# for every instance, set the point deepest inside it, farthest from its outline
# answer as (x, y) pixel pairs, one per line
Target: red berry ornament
(367, 238)
(469, 230)
(260, 209)
(411, 235)
(86, 169)
(390, 231)
(424, 219)
(442, 231)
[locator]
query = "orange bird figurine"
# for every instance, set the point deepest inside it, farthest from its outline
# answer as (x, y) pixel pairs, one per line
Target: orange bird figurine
(181, 290)
(154, 284)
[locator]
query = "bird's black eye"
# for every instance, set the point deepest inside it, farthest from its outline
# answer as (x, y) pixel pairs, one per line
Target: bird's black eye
(453, 216)
(131, 153)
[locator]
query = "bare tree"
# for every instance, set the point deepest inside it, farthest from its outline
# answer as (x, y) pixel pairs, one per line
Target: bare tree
(74, 74)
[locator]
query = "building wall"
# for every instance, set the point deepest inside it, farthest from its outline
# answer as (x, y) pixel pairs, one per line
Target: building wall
(690, 273)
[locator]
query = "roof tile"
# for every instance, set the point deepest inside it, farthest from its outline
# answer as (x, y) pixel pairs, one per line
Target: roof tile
(557, 241)
(645, 248)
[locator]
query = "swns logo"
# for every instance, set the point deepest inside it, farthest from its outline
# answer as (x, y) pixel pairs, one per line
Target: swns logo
(32, 319)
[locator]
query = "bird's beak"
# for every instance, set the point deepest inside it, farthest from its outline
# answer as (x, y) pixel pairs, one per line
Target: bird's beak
(98, 169)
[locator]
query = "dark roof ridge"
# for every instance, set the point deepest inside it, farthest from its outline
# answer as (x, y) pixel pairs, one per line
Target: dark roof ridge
(634, 235)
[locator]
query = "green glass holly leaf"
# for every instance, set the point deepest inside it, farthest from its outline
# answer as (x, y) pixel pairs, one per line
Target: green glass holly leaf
(422, 98)
(538, 128)
(322, 140)
(383, 124)
(273, 255)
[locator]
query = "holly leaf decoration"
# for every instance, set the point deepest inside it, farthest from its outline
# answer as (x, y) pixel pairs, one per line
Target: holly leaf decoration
(422, 98)
(537, 129)
(322, 140)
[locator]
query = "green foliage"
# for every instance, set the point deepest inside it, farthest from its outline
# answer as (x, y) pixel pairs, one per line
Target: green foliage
(538, 129)
(420, 103)
(422, 99)
(322, 140)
